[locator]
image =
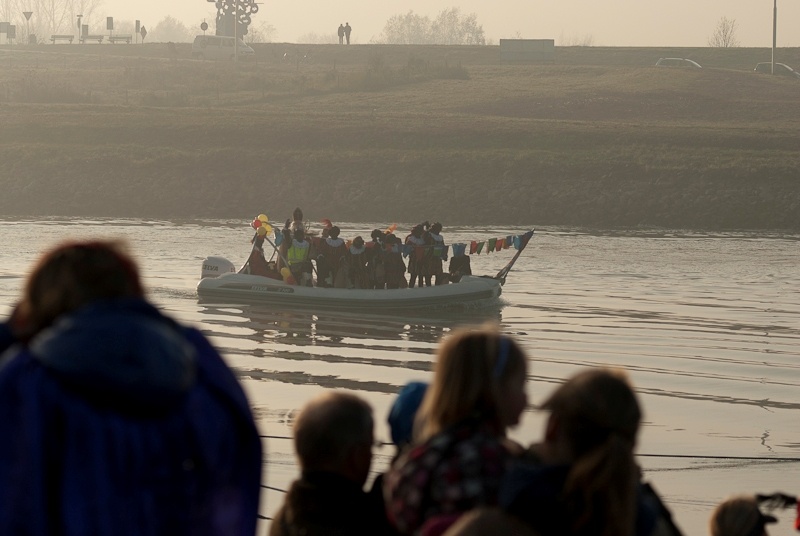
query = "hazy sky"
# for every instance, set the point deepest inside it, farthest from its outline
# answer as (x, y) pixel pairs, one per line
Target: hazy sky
(607, 22)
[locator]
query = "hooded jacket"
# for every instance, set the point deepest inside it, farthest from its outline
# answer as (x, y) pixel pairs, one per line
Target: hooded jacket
(116, 420)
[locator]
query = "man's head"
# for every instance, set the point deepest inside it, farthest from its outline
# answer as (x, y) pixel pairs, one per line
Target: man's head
(76, 274)
(334, 433)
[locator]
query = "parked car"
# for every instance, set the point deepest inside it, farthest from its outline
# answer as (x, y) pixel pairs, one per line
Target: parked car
(677, 62)
(219, 47)
(780, 68)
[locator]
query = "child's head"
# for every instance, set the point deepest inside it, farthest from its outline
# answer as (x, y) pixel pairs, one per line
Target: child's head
(593, 405)
(593, 425)
(479, 373)
(739, 516)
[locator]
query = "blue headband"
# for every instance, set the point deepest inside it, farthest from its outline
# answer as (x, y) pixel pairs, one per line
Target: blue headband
(502, 356)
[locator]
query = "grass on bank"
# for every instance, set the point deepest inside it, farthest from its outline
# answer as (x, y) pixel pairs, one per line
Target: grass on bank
(401, 133)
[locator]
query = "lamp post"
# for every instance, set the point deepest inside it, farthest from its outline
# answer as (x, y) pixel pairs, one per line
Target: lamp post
(774, 31)
(236, 31)
(80, 16)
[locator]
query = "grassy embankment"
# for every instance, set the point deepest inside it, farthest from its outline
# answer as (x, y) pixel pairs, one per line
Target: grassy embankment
(600, 138)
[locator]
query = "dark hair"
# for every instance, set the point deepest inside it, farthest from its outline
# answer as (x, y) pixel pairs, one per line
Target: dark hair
(299, 235)
(436, 228)
(599, 416)
(334, 232)
(76, 274)
(328, 428)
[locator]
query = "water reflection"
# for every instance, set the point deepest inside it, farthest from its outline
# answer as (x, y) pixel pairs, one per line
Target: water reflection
(301, 328)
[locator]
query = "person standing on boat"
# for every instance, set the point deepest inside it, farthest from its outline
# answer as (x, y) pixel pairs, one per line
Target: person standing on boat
(333, 438)
(393, 265)
(436, 255)
(416, 258)
(115, 419)
(356, 261)
(296, 223)
(332, 251)
(375, 259)
(298, 257)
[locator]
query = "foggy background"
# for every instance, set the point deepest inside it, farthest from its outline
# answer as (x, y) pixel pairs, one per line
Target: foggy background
(570, 22)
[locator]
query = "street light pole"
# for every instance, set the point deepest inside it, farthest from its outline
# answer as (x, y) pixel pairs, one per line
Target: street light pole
(236, 31)
(80, 28)
(774, 31)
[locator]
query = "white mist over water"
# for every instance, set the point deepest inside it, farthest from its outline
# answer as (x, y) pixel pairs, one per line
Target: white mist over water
(706, 325)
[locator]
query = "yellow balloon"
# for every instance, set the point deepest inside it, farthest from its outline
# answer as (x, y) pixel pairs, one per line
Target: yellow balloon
(262, 231)
(263, 218)
(267, 228)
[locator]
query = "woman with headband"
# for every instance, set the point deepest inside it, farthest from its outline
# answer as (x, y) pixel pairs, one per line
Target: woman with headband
(460, 451)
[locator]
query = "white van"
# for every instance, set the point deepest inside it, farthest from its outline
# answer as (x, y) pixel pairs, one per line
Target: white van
(219, 47)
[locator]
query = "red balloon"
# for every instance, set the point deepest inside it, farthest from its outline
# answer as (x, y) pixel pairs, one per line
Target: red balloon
(255, 224)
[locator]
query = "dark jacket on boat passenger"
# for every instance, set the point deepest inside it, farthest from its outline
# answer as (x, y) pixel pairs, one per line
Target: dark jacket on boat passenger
(118, 421)
(326, 504)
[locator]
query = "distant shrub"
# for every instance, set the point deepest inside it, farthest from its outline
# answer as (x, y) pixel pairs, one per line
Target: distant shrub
(450, 72)
(35, 89)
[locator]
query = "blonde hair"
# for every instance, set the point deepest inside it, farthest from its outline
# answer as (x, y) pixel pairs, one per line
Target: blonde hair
(471, 368)
(599, 417)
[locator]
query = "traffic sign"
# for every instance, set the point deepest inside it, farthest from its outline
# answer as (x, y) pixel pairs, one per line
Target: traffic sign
(143, 32)
(27, 14)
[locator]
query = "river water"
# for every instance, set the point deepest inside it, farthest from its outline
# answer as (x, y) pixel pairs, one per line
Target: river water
(705, 324)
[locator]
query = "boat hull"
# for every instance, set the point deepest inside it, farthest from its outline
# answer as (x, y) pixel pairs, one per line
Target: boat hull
(233, 287)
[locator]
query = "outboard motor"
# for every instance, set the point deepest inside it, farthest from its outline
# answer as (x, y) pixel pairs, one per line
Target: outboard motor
(216, 266)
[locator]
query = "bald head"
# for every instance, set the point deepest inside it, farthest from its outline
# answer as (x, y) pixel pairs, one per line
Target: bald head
(334, 432)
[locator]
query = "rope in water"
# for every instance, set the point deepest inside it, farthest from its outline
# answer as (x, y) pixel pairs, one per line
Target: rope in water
(646, 455)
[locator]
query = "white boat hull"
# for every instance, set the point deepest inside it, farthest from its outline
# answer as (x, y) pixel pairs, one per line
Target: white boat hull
(234, 287)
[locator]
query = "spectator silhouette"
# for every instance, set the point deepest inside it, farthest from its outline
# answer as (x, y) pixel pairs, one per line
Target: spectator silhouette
(460, 452)
(333, 441)
(115, 419)
(739, 516)
(347, 30)
(341, 34)
(583, 478)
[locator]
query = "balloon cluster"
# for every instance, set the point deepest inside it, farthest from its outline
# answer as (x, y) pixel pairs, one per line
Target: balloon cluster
(261, 224)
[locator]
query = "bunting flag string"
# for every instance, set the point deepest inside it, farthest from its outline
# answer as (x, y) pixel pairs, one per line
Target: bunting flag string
(460, 249)
(491, 245)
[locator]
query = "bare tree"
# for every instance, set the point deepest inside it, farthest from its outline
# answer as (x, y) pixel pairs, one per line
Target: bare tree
(53, 16)
(575, 40)
(261, 33)
(450, 27)
(171, 29)
(9, 11)
(85, 8)
(724, 35)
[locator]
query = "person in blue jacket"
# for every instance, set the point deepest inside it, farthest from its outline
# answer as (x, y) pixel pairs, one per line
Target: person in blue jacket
(114, 418)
